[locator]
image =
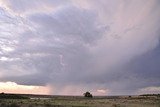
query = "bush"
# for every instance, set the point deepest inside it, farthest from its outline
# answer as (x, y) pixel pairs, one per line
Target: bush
(116, 105)
(48, 105)
(14, 105)
(12, 96)
(88, 94)
(3, 104)
(30, 105)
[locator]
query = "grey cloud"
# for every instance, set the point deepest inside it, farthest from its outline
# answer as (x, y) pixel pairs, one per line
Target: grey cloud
(73, 46)
(70, 22)
(149, 63)
(43, 52)
(21, 6)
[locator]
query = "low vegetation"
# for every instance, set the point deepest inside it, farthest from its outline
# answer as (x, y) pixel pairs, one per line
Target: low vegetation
(80, 101)
(88, 95)
(149, 95)
(12, 96)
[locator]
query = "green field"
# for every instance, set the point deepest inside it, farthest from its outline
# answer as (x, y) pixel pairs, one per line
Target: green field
(77, 101)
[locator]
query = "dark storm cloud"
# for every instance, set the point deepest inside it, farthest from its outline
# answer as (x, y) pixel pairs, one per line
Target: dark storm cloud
(149, 63)
(81, 45)
(70, 22)
(59, 47)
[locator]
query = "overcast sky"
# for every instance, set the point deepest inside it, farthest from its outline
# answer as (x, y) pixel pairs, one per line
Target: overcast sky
(107, 47)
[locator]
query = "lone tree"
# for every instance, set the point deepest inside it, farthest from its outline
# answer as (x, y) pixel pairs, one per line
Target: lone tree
(88, 94)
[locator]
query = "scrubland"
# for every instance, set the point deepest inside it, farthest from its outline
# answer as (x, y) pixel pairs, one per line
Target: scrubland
(77, 101)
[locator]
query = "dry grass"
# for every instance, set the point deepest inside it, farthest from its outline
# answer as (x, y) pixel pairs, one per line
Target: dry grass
(134, 101)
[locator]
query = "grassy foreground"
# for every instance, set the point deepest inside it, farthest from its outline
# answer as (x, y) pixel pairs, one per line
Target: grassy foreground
(70, 101)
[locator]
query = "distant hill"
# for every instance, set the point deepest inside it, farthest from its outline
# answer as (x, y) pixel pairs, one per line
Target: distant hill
(158, 95)
(12, 96)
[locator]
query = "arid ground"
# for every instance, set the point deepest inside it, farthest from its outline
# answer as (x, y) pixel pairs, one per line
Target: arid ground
(79, 101)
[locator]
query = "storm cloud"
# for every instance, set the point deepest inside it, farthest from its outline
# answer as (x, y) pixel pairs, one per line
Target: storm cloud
(74, 46)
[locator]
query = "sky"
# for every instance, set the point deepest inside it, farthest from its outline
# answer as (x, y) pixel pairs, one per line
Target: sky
(68, 47)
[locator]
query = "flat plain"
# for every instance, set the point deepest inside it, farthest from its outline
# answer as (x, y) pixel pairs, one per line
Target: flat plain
(80, 101)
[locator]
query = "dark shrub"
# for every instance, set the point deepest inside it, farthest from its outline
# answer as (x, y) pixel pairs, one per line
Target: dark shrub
(3, 104)
(48, 105)
(14, 105)
(88, 94)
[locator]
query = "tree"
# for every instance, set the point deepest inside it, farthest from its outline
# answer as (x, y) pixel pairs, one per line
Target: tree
(88, 94)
